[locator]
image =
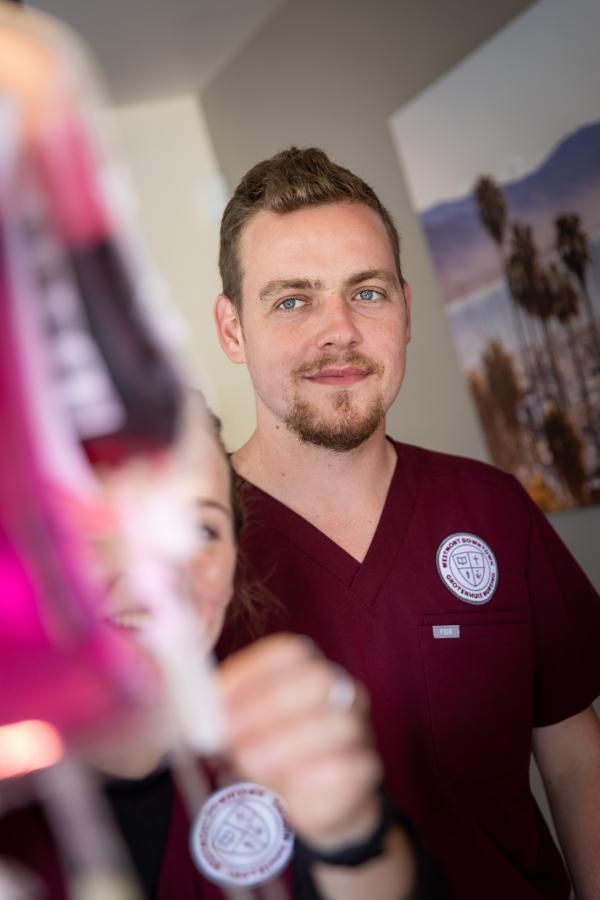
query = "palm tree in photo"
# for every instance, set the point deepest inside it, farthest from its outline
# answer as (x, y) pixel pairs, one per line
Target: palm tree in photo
(566, 449)
(517, 288)
(573, 247)
(492, 210)
(503, 384)
(504, 389)
(543, 494)
(531, 290)
(567, 303)
(487, 412)
(491, 207)
(545, 309)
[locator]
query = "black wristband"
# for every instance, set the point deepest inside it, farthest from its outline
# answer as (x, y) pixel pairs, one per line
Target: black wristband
(353, 854)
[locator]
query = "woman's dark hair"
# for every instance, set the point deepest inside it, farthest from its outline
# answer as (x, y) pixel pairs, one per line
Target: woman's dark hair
(236, 505)
(252, 602)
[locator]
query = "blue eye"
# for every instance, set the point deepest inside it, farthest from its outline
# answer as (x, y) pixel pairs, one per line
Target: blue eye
(368, 294)
(290, 303)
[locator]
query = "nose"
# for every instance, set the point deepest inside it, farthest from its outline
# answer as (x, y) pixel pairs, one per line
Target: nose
(337, 325)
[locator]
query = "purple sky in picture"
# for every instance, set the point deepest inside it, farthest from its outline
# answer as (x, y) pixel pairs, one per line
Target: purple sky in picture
(464, 255)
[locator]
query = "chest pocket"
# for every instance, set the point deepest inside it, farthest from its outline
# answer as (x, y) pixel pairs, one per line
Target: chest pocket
(480, 693)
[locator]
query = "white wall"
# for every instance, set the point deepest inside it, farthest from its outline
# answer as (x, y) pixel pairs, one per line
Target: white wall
(169, 154)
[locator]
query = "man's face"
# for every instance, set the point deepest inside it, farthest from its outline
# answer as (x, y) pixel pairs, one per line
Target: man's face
(324, 322)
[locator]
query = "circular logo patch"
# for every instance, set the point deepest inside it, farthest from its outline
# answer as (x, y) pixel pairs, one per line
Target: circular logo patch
(468, 567)
(241, 836)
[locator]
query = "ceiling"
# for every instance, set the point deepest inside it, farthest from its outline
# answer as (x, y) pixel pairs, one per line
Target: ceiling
(150, 49)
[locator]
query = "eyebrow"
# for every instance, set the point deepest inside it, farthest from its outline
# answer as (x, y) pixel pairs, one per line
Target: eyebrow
(285, 284)
(214, 504)
(368, 274)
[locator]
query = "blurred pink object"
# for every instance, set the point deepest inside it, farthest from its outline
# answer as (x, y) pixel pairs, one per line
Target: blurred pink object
(86, 382)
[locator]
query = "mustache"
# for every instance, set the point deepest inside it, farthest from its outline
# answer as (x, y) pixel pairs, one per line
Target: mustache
(327, 360)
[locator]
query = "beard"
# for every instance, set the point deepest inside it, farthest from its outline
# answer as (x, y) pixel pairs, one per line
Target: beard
(349, 431)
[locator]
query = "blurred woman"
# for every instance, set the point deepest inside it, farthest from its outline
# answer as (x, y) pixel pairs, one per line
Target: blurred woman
(96, 414)
(295, 725)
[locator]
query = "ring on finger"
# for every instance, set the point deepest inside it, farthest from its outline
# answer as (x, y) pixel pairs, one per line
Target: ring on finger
(342, 692)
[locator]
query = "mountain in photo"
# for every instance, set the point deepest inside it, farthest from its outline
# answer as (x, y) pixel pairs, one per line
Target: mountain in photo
(465, 256)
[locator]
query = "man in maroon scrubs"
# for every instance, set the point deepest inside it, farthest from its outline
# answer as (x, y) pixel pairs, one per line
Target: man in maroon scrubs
(432, 578)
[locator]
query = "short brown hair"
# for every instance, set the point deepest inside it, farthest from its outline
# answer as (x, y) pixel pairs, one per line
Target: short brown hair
(288, 181)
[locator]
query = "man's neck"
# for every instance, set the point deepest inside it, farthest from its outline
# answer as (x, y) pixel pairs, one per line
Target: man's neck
(340, 493)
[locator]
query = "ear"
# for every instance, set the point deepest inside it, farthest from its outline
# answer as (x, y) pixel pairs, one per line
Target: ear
(229, 329)
(406, 290)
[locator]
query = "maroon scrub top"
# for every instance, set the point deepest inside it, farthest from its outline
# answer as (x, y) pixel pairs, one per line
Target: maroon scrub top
(453, 715)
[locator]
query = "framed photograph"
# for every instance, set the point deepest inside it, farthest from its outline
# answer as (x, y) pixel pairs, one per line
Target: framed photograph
(502, 159)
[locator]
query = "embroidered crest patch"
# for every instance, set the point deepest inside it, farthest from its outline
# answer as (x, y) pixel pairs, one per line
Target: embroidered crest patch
(241, 836)
(468, 568)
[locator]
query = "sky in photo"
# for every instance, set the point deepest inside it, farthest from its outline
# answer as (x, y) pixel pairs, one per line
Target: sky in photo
(506, 106)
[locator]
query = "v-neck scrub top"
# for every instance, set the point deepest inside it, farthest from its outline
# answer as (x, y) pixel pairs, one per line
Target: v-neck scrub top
(457, 683)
